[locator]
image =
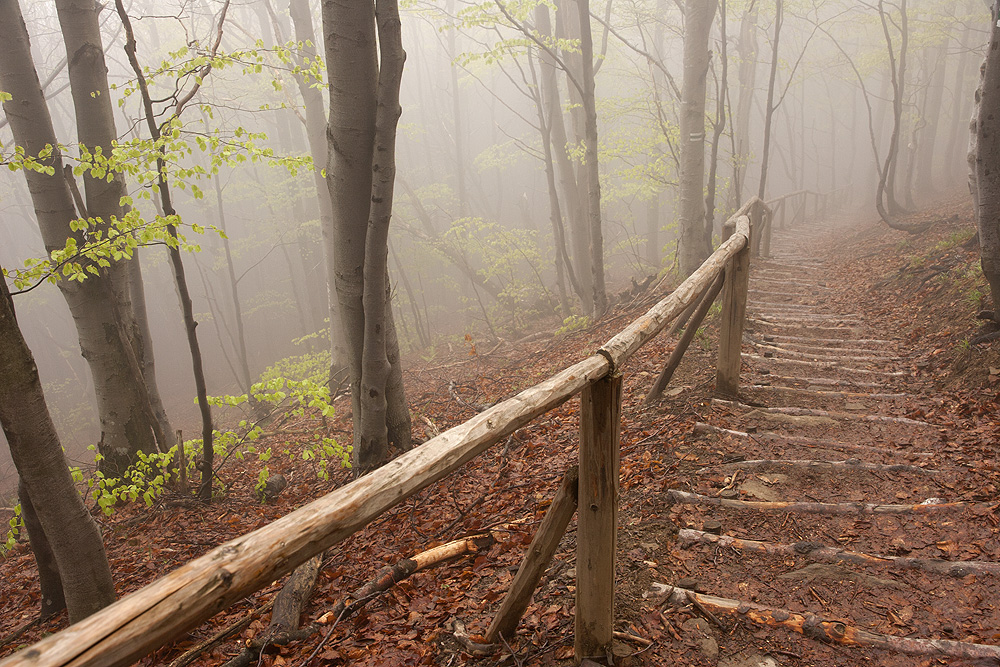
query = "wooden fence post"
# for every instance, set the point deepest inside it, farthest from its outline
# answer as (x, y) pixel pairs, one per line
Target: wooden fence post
(765, 226)
(734, 311)
(597, 515)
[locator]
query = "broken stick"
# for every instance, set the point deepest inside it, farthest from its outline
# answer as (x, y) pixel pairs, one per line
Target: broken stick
(834, 632)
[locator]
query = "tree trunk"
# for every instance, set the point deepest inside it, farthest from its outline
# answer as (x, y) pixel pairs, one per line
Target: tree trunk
(590, 156)
(744, 104)
(699, 15)
(315, 114)
(125, 425)
(934, 58)
(888, 206)
(987, 163)
(779, 17)
(360, 176)
(52, 597)
(718, 127)
(34, 446)
(95, 123)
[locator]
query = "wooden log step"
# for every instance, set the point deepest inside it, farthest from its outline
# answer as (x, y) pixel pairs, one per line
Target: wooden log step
(701, 429)
(781, 338)
(826, 365)
(790, 281)
(812, 412)
(810, 328)
(825, 349)
(817, 552)
(768, 388)
(828, 319)
(811, 382)
(834, 358)
(850, 465)
(784, 305)
(830, 631)
(795, 295)
(929, 506)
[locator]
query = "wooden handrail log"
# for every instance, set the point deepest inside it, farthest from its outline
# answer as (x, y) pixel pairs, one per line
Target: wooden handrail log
(180, 600)
(156, 614)
(619, 349)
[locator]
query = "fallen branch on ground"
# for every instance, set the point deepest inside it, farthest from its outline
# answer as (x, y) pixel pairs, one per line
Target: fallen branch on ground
(191, 654)
(931, 505)
(834, 632)
(824, 554)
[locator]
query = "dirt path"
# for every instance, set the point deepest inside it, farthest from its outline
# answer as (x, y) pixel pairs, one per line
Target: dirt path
(879, 536)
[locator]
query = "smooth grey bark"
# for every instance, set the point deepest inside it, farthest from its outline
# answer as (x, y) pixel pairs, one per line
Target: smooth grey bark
(42, 467)
(987, 163)
(95, 124)
(53, 599)
(362, 115)
(125, 424)
(699, 15)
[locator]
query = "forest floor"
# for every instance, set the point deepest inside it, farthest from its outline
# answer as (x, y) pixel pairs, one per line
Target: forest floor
(859, 350)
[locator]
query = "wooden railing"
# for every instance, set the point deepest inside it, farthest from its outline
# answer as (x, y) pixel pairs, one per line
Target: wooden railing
(161, 611)
(793, 209)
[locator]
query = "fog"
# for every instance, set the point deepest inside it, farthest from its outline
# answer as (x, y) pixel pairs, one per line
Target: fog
(472, 197)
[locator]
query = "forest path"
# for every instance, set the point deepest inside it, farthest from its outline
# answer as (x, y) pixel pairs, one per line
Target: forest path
(878, 536)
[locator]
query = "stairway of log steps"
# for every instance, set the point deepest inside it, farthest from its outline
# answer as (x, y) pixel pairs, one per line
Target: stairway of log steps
(829, 526)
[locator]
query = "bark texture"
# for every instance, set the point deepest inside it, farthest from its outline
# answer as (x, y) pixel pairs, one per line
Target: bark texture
(694, 247)
(987, 167)
(94, 304)
(68, 527)
(364, 108)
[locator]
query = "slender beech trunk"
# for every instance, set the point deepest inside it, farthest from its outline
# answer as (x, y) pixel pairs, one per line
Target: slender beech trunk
(590, 156)
(779, 17)
(174, 251)
(68, 528)
(744, 103)
(364, 108)
(987, 163)
(719, 126)
(572, 178)
(934, 58)
(886, 202)
(960, 102)
(699, 15)
(126, 424)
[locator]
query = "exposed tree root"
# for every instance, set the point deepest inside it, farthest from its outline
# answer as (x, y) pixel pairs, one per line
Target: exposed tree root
(834, 632)
(932, 505)
(848, 465)
(701, 429)
(824, 554)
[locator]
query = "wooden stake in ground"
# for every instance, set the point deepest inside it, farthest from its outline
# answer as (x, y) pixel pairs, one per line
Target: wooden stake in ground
(707, 299)
(596, 535)
(834, 632)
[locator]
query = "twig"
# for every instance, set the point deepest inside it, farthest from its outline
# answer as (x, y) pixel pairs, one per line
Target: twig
(188, 656)
(693, 599)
